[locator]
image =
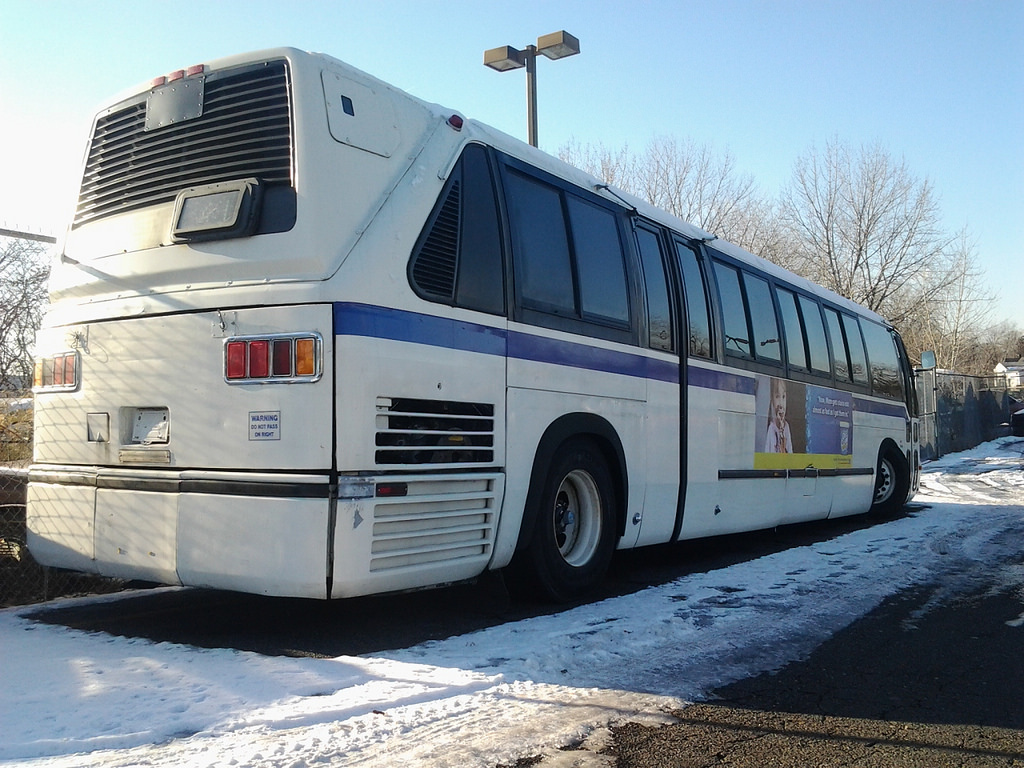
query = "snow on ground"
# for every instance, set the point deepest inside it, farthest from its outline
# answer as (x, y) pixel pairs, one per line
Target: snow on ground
(70, 698)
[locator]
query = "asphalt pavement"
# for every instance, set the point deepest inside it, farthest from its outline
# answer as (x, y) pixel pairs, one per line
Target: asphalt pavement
(929, 678)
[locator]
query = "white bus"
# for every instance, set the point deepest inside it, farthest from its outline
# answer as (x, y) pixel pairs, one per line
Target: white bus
(311, 336)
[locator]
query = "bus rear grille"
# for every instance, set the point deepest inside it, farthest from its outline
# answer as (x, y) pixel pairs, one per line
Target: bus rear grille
(440, 519)
(412, 431)
(244, 131)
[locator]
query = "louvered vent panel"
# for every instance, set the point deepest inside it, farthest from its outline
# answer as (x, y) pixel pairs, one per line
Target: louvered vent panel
(416, 432)
(434, 266)
(440, 521)
(244, 131)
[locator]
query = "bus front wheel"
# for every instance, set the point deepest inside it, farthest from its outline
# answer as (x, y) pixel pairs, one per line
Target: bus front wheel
(574, 535)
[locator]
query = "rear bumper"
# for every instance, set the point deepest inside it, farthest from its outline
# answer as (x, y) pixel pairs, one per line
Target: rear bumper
(251, 532)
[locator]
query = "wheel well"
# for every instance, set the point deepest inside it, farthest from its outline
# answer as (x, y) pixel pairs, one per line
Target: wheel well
(605, 439)
(900, 463)
(889, 446)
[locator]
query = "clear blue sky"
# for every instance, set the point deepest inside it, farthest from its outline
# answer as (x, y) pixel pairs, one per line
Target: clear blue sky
(939, 83)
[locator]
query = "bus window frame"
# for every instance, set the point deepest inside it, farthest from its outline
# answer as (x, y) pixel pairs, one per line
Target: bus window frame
(739, 360)
(678, 320)
(589, 326)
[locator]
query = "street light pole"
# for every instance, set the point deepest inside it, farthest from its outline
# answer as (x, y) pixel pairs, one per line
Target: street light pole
(557, 45)
(531, 94)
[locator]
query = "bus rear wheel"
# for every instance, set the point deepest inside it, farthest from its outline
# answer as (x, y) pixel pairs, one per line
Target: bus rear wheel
(574, 533)
(892, 483)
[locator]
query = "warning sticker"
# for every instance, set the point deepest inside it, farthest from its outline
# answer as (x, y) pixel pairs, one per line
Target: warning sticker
(264, 425)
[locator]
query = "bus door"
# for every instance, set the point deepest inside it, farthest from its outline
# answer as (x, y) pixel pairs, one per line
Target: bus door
(666, 387)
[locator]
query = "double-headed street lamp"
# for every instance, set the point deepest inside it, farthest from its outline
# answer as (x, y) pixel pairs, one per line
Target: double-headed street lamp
(557, 45)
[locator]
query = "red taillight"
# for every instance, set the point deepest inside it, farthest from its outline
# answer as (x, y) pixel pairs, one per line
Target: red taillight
(259, 359)
(277, 358)
(235, 359)
(57, 372)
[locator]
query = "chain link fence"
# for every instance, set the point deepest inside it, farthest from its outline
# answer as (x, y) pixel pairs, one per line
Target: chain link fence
(959, 411)
(22, 579)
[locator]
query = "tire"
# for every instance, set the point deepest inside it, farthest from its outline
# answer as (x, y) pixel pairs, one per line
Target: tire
(575, 527)
(892, 483)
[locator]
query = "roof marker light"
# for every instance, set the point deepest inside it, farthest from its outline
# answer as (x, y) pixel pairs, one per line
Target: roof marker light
(456, 122)
(175, 75)
(195, 69)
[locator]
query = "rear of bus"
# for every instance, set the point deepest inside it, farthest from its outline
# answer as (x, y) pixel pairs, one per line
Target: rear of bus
(186, 429)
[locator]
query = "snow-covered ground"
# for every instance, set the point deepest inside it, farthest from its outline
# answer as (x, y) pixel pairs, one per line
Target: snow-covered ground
(70, 698)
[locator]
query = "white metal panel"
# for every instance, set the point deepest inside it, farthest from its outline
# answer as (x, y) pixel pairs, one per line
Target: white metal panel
(135, 535)
(61, 525)
(263, 545)
(177, 362)
(663, 425)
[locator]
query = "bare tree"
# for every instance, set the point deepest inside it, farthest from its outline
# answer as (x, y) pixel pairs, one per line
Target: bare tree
(24, 270)
(865, 227)
(691, 181)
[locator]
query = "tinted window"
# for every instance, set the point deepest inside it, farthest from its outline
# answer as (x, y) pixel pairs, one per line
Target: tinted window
(796, 355)
(540, 245)
(458, 258)
(697, 315)
(840, 362)
(659, 313)
(602, 274)
(766, 342)
(855, 345)
(885, 366)
(481, 282)
(815, 329)
(734, 316)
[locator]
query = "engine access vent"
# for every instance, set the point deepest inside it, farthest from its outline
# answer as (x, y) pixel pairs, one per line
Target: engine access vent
(433, 263)
(414, 432)
(244, 131)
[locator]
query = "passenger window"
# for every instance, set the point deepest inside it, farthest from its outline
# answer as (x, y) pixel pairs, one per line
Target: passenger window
(540, 245)
(884, 359)
(734, 316)
(840, 360)
(766, 341)
(659, 311)
(855, 344)
(796, 355)
(697, 312)
(817, 346)
(599, 265)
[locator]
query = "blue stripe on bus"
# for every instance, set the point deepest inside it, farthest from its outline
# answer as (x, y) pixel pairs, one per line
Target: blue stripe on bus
(707, 378)
(375, 322)
(351, 319)
(899, 410)
(399, 325)
(526, 346)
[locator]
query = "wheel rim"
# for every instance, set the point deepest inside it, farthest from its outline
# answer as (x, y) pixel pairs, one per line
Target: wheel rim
(884, 484)
(577, 518)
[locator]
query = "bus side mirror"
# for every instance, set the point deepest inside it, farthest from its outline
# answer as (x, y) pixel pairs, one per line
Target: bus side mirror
(927, 360)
